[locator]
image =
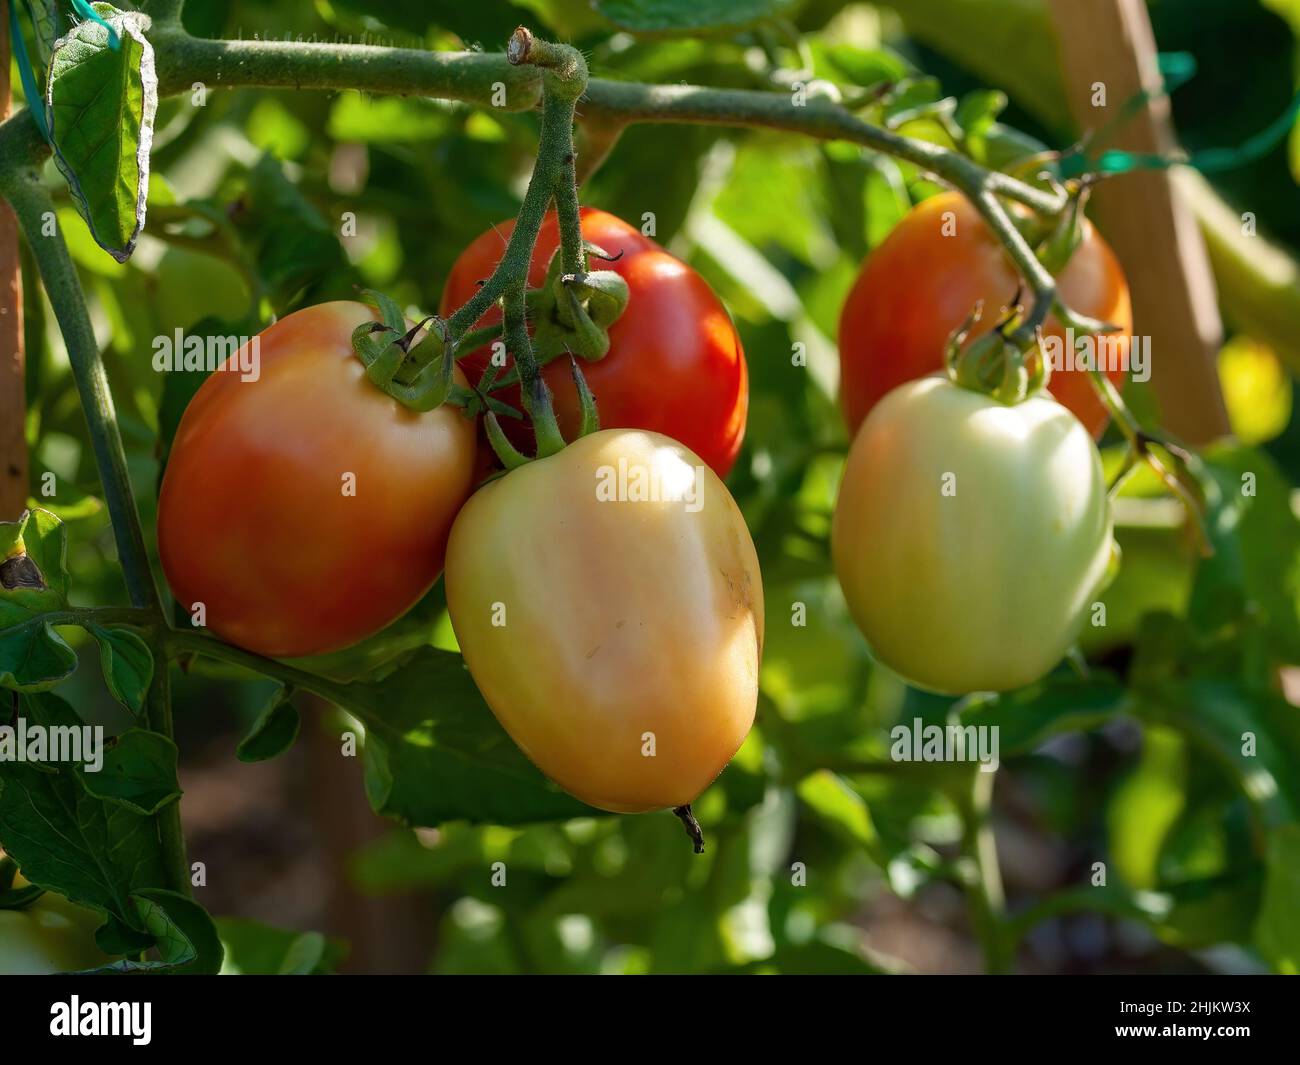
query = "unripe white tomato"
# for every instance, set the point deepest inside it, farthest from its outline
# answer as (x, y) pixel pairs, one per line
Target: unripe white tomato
(971, 537)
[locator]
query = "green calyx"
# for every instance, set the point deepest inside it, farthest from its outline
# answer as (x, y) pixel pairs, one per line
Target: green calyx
(996, 363)
(573, 312)
(414, 370)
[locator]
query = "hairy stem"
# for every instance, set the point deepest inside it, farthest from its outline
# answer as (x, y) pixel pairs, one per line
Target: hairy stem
(179, 642)
(35, 211)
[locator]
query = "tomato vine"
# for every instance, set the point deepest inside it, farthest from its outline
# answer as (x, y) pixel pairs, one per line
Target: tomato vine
(530, 75)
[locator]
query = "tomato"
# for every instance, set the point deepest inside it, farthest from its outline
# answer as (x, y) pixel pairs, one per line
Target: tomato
(919, 285)
(970, 537)
(675, 364)
(599, 630)
(49, 936)
(307, 509)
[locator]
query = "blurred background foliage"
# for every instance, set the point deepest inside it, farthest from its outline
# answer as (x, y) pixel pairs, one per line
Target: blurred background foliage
(824, 856)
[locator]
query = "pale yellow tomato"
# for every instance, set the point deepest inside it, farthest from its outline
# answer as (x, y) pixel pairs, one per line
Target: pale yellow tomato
(614, 630)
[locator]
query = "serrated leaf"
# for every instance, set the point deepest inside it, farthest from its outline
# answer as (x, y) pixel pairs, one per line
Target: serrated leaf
(68, 841)
(138, 772)
(101, 103)
(127, 663)
(686, 16)
(434, 752)
(274, 731)
(33, 583)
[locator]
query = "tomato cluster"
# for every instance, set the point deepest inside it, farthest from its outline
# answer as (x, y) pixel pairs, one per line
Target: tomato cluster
(607, 599)
(675, 364)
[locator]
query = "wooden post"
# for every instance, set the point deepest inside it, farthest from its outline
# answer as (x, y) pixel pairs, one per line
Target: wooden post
(13, 406)
(1110, 44)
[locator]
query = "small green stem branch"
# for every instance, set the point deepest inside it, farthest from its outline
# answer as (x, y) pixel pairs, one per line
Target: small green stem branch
(984, 889)
(35, 211)
(179, 641)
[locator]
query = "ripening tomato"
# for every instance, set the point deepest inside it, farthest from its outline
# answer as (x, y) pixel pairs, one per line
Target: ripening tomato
(49, 936)
(674, 365)
(307, 509)
(608, 603)
(970, 537)
(925, 278)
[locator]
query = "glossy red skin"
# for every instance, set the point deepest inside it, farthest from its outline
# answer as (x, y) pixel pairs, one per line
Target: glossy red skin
(919, 285)
(252, 519)
(675, 365)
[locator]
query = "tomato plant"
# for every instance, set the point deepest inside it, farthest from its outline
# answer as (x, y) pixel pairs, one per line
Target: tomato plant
(923, 281)
(970, 537)
(306, 509)
(616, 636)
(675, 365)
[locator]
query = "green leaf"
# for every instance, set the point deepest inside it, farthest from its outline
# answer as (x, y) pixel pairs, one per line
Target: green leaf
(977, 111)
(139, 772)
(1255, 569)
(1029, 717)
(434, 752)
(1220, 717)
(305, 955)
(33, 583)
(690, 16)
(115, 937)
(274, 731)
(255, 949)
(101, 103)
(45, 24)
(127, 663)
(1277, 931)
(1145, 806)
(831, 798)
(12, 898)
(293, 246)
(68, 841)
(184, 933)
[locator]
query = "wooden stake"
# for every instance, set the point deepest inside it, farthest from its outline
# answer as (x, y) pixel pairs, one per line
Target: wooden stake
(1110, 43)
(13, 406)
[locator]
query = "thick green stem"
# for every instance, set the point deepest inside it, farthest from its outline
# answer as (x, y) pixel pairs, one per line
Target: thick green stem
(35, 211)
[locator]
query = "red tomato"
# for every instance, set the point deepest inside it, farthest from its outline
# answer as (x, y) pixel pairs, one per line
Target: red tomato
(675, 364)
(255, 517)
(920, 284)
